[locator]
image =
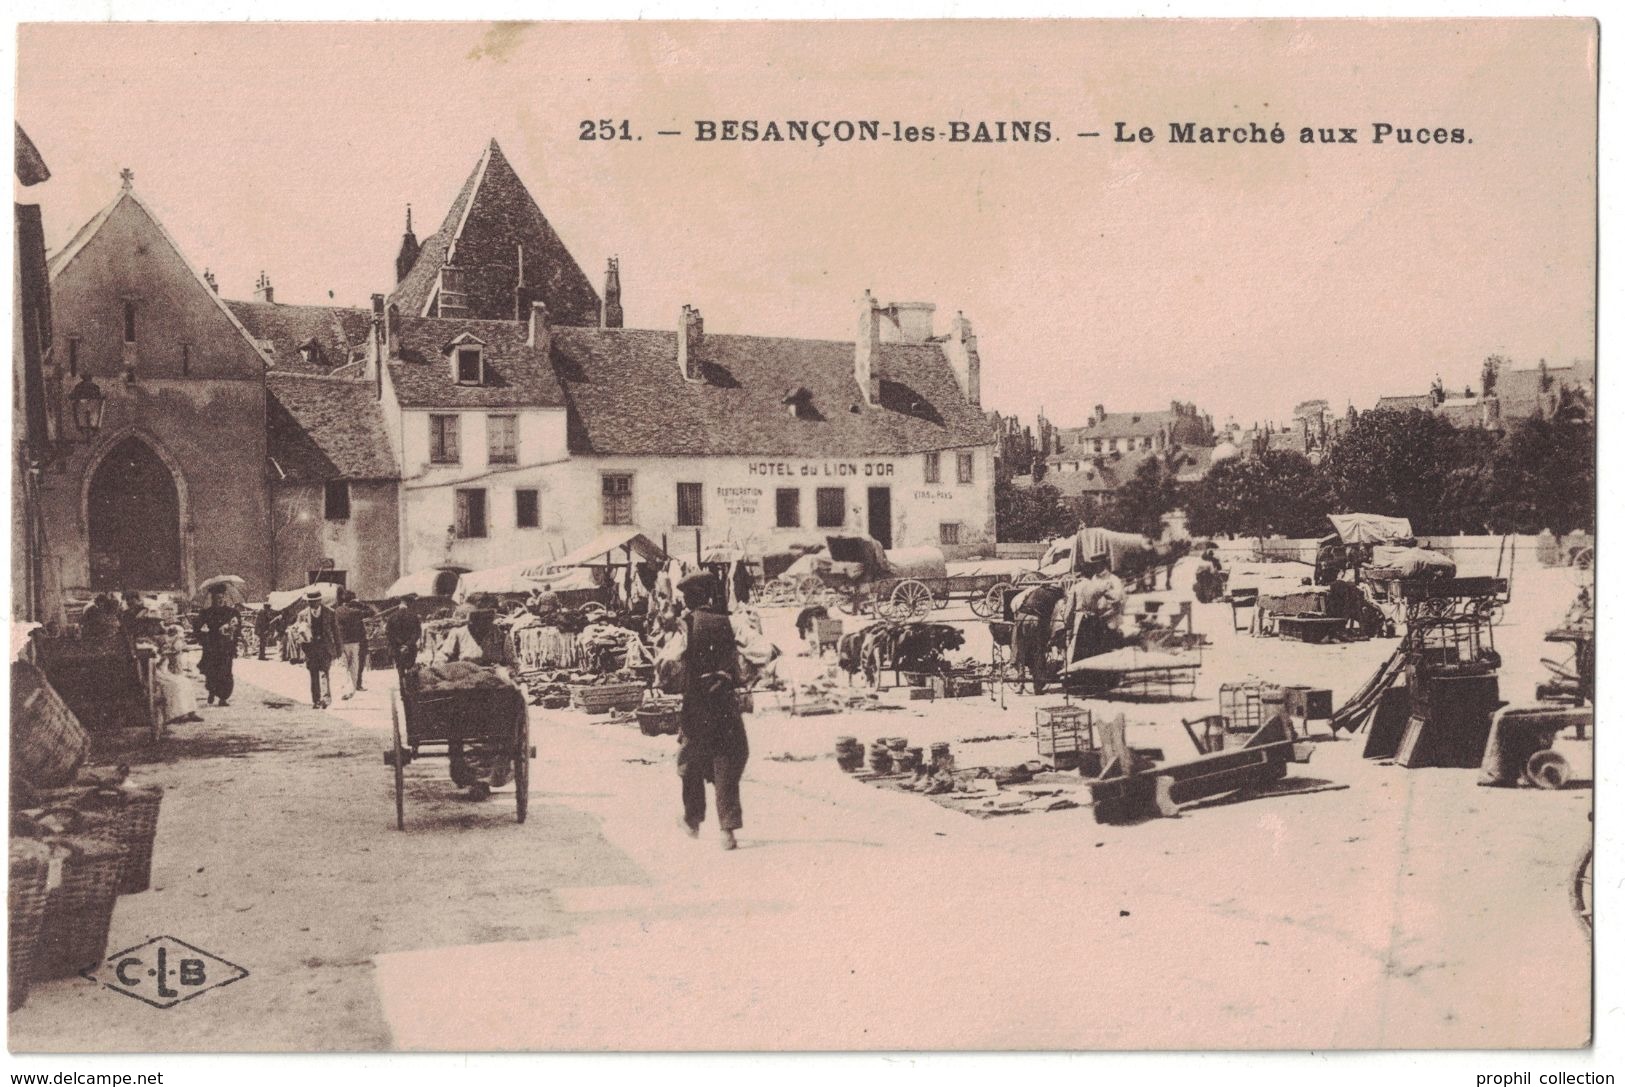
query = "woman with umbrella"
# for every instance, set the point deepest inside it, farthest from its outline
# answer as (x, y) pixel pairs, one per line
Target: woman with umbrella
(217, 627)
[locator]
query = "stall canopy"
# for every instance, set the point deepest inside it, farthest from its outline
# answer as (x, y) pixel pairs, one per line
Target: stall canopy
(1371, 528)
(602, 551)
(525, 577)
(284, 600)
(434, 581)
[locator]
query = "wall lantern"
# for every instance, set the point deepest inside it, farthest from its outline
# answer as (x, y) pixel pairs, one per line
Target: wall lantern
(88, 403)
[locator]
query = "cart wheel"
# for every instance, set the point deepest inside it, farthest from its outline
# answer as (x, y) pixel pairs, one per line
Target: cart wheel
(521, 769)
(852, 601)
(1547, 769)
(1028, 577)
(809, 588)
(400, 760)
(912, 599)
(987, 605)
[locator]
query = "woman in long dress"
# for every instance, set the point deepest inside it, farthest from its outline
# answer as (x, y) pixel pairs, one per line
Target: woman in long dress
(217, 632)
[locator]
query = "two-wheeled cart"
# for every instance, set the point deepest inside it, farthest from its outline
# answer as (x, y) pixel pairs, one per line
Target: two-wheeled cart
(479, 725)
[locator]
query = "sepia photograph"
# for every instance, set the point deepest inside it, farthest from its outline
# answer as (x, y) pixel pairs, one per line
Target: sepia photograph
(1069, 535)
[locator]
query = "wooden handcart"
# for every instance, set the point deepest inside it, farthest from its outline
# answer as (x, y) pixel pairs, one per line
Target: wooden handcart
(486, 722)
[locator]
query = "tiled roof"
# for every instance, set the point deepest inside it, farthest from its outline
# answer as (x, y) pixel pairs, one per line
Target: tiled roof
(338, 332)
(516, 375)
(491, 218)
(321, 428)
(1404, 403)
(1121, 424)
(627, 395)
(1092, 478)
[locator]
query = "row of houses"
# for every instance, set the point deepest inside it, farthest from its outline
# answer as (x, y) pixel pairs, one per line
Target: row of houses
(490, 408)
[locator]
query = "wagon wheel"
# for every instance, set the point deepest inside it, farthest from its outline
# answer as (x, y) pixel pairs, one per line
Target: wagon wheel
(521, 767)
(1583, 558)
(395, 713)
(987, 605)
(851, 601)
(809, 589)
(912, 599)
(1028, 577)
(1580, 890)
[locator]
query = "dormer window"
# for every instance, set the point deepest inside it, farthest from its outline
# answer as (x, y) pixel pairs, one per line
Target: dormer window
(467, 355)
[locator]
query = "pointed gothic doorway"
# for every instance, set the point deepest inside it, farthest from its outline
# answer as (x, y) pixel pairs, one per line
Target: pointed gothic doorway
(134, 520)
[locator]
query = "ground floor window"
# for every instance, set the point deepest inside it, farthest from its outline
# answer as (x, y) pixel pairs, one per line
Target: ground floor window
(336, 500)
(617, 488)
(527, 508)
(831, 507)
(948, 533)
(787, 507)
(690, 504)
(471, 513)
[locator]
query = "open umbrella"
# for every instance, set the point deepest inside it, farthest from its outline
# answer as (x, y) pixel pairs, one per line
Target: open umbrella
(233, 586)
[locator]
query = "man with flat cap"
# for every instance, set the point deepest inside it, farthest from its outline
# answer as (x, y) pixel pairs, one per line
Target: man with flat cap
(712, 743)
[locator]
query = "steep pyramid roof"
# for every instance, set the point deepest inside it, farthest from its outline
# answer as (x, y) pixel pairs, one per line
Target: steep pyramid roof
(493, 220)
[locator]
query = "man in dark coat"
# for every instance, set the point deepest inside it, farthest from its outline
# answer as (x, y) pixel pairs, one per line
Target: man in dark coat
(1029, 642)
(712, 744)
(217, 634)
(404, 632)
(322, 649)
(263, 620)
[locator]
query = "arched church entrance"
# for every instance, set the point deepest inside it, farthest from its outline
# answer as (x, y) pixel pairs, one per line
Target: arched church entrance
(134, 521)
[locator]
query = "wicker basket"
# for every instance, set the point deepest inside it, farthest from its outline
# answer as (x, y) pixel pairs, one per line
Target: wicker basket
(660, 718)
(605, 697)
(79, 910)
(25, 912)
(47, 742)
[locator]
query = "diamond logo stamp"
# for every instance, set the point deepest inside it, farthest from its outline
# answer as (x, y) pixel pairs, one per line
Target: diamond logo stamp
(164, 972)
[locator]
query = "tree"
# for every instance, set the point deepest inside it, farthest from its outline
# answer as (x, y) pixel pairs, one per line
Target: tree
(1141, 502)
(1398, 463)
(1032, 514)
(1545, 476)
(1278, 492)
(1491, 373)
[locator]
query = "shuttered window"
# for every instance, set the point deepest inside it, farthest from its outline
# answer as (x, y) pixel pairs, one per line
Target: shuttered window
(831, 507)
(502, 439)
(933, 467)
(948, 533)
(443, 445)
(967, 467)
(690, 504)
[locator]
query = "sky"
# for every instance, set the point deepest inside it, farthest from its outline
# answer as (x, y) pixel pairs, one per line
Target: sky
(1245, 278)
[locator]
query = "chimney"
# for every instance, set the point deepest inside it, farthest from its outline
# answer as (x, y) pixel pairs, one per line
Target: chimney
(962, 356)
(867, 349)
(538, 335)
(910, 322)
(690, 343)
(610, 316)
(208, 277)
(1100, 413)
(408, 255)
(523, 293)
(453, 300)
(262, 289)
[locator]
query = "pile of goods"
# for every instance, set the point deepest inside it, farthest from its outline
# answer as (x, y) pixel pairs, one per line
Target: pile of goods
(79, 838)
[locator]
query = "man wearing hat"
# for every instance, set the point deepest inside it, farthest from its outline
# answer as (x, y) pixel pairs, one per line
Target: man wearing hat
(323, 647)
(712, 744)
(216, 628)
(1094, 606)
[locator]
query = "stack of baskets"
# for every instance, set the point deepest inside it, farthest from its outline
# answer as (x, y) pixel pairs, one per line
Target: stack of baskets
(81, 838)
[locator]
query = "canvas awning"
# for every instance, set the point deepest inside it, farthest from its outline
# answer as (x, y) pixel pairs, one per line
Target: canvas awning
(425, 582)
(525, 577)
(288, 598)
(601, 551)
(1371, 528)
